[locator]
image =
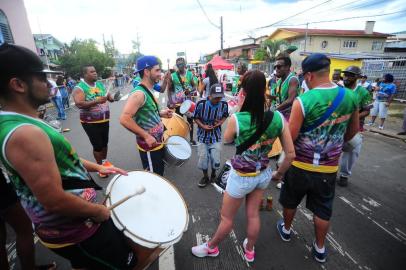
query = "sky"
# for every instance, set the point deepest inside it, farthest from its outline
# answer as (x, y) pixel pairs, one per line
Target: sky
(165, 27)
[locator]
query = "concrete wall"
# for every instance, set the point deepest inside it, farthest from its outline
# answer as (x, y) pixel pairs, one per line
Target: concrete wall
(18, 22)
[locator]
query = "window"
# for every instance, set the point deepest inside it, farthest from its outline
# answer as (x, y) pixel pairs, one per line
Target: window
(5, 31)
(350, 44)
(50, 41)
(324, 44)
(377, 45)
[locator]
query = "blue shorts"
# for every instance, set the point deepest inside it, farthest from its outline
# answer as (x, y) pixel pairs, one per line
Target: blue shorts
(209, 154)
(239, 186)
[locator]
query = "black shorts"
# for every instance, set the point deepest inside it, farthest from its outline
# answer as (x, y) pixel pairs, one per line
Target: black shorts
(8, 196)
(157, 159)
(106, 249)
(319, 189)
(98, 134)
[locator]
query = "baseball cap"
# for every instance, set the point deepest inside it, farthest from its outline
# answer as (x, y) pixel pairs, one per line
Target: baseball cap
(216, 90)
(17, 60)
(315, 62)
(146, 62)
(354, 70)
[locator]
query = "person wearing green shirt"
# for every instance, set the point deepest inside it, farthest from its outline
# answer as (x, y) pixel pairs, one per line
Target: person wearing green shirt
(287, 86)
(351, 151)
(51, 181)
(321, 120)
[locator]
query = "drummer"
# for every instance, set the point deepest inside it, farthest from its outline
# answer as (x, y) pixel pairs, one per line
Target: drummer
(209, 115)
(142, 117)
(180, 88)
(67, 220)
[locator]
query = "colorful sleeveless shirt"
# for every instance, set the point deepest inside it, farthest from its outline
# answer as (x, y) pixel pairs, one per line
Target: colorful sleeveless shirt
(178, 96)
(100, 112)
(148, 118)
(255, 158)
(282, 93)
(319, 150)
(50, 227)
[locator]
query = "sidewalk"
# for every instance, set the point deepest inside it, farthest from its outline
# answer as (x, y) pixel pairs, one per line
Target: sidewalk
(393, 125)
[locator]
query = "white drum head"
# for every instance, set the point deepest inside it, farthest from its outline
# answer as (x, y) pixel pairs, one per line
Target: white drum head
(180, 148)
(184, 107)
(158, 217)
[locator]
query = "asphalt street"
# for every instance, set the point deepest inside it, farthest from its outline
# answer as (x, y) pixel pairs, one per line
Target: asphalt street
(368, 227)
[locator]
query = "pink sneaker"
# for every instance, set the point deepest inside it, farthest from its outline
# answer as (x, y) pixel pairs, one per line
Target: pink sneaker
(248, 255)
(203, 250)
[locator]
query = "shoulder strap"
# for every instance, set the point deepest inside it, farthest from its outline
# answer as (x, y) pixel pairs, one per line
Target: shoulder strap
(151, 96)
(258, 133)
(336, 102)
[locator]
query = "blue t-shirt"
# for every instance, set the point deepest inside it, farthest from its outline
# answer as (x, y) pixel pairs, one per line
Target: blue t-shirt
(385, 90)
(208, 113)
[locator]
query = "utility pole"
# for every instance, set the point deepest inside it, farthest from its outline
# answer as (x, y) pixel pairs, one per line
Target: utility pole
(221, 36)
(305, 43)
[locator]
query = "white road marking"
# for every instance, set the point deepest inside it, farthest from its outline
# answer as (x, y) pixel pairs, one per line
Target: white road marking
(371, 202)
(238, 247)
(365, 208)
(167, 260)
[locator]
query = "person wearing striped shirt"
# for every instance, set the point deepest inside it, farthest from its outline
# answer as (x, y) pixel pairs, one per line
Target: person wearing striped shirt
(209, 115)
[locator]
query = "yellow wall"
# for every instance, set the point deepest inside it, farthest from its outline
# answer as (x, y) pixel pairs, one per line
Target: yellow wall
(343, 64)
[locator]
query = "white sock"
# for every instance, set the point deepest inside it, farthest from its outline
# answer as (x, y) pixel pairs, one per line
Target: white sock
(319, 250)
(284, 230)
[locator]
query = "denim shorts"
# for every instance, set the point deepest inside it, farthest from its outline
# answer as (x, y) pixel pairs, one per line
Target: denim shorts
(379, 109)
(209, 154)
(239, 186)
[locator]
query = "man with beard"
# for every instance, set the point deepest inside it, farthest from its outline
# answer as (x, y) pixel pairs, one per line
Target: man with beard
(52, 182)
(352, 149)
(180, 86)
(91, 98)
(142, 117)
(287, 87)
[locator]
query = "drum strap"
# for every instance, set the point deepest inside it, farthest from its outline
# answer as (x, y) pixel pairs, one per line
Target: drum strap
(76, 183)
(151, 96)
(268, 116)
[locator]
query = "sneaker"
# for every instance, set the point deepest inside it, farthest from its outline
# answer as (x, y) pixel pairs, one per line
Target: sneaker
(248, 255)
(213, 178)
(319, 257)
(105, 163)
(203, 250)
(279, 185)
(193, 143)
(381, 127)
(285, 236)
(402, 133)
(371, 124)
(342, 181)
(203, 182)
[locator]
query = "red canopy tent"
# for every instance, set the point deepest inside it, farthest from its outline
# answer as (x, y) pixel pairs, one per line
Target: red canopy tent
(219, 63)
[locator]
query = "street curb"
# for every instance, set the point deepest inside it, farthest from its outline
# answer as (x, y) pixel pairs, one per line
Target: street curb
(386, 133)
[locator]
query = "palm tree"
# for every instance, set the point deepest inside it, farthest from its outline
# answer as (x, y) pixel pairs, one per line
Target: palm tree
(273, 47)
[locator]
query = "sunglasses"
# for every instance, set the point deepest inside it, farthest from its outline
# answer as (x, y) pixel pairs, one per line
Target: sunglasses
(279, 66)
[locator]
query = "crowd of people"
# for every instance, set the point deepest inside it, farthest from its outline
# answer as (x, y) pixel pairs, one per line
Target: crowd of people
(317, 128)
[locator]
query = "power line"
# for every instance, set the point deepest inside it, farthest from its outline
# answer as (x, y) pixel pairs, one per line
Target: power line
(266, 26)
(205, 14)
(348, 18)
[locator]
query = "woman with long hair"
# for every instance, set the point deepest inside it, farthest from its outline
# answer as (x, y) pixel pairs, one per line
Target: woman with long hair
(210, 79)
(250, 172)
(63, 90)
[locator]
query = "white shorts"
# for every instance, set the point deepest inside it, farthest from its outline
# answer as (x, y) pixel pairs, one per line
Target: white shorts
(379, 109)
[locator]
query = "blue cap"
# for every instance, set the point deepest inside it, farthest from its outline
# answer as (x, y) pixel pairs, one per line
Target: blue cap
(146, 62)
(315, 62)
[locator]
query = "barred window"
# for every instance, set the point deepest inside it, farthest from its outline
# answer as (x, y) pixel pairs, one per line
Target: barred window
(5, 31)
(377, 45)
(350, 44)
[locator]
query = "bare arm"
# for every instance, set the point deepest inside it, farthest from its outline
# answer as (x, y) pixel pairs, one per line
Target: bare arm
(364, 113)
(295, 120)
(231, 130)
(292, 93)
(132, 106)
(170, 89)
(80, 101)
(353, 126)
(40, 172)
(94, 167)
(165, 83)
(289, 149)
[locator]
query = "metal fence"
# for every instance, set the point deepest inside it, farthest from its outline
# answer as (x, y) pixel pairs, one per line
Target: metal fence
(376, 68)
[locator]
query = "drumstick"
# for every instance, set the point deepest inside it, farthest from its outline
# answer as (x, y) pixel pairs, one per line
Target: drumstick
(138, 191)
(168, 143)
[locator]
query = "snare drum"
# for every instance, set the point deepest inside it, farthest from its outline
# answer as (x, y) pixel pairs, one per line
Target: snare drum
(187, 108)
(175, 126)
(155, 219)
(353, 143)
(177, 151)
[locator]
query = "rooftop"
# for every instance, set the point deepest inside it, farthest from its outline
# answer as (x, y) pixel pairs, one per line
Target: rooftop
(333, 32)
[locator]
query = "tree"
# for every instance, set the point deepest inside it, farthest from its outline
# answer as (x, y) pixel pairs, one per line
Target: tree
(273, 47)
(85, 52)
(260, 54)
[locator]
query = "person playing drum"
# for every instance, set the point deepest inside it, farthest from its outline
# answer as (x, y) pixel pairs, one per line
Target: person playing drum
(142, 117)
(53, 183)
(180, 87)
(250, 173)
(209, 115)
